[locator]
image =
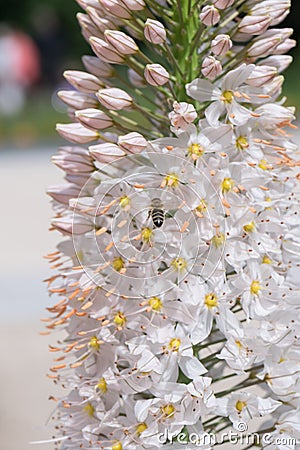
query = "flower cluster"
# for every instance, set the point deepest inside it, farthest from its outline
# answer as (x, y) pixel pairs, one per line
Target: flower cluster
(177, 279)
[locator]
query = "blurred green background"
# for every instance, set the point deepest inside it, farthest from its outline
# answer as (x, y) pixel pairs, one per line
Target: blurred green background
(53, 28)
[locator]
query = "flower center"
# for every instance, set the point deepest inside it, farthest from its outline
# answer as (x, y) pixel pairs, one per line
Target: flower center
(202, 206)
(211, 300)
(89, 409)
(117, 446)
(146, 234)
(140, 428)
(94, 343)
(168, 411)
(263, 164)
(102, 385)
(155, 303)
(195, 151)
(227, 184)
(120, 319)
(218, 239)
(179, 264)
(255, 287)
(174, 344)
(124, 201)
(266, 260)
(241, 143)
(118, 264)
(171, 180)
(249, 227)
(227, 96)
(239, 406)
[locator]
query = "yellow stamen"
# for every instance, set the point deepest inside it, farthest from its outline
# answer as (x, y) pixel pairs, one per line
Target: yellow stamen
(174, 344)
(218, 239)
(120, 319)
(171, 180)
(168, 410)
(211, 300)
(195, 151)
(179, 264)
(117, 446)
(227, 184)
(249, 227)
(140, 428)
(155, 303)
(124, 201)
(146, 235)
(89, 409)
(227, 96)
(239, 406)
(241, 143)
(94, 343)
(263, 164)
(266, 260)
(102, 385)
(118, 264)
(255, 287)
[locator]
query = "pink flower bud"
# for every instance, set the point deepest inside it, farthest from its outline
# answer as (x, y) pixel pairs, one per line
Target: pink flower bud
(285, 46)
(277, 11)
(114, 98)
(63, 193)
(94, 119)
(182, 115)
(106, 153)
(87, 26)
(222, 4)
(254, 24)
(133, 142)
(75, 132)
(101, 23)
(73, 225)
(209, 15)
(136, 79)
(97, 67)
(105, 51)
(77, 100)
(83, 81)
(73, 160)
(268, 43)
(281, 62)
(156, 75)
(88, 3)
(221, 44)
(122, 43)
(211, 67)
(154, 31)
(261, 75)
(134, 5)
(116, 8)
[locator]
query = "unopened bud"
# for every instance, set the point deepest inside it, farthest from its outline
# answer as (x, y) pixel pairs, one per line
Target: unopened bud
(73, 225)
(281, 62)
(209, 15)
(254, 24)
(116, 8)
(87, 26)
(88, 3)
(75, 132)
(121, 42)
(182, 115)
(105, 51)
(106, 153)
(63, 193)
(94, 119)
(134, 5)
(114, 98)
(211, 67)
(222, 4)
(101, 23)
(156, 75)
(276, 10)
(261, 75)
(285, 47)
(97, 67)
(73, 160)
(221, 44)
(133, 142)
(77, 100)
(154, 31)
(83, 81)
